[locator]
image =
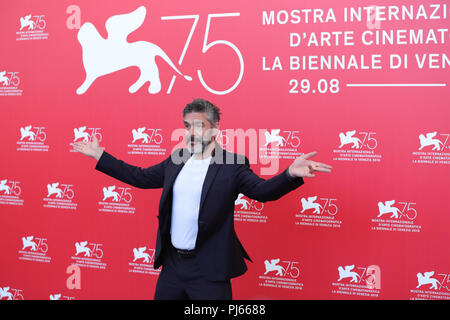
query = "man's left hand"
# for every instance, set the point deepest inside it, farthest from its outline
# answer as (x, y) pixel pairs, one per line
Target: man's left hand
(302, 167)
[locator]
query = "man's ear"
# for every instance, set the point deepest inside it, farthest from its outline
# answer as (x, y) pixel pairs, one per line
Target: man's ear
(215, 130)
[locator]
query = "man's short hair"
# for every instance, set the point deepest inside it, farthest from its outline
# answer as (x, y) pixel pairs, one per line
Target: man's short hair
(202, 105)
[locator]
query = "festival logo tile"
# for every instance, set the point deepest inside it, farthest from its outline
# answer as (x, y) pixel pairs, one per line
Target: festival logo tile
(59, 296)
(357, 146)
(431, 285)
(34, 249)
(32, 138)
(10, 192)
(9, 83)
(249, 210)
(60, 196)
(280, 144)
(397, 216)
(284, 274)
(32, 27)
(116, 199)
(432, 148)
(143, 260)
(358, 281)
(85, 134)
(124, 55)
(146, 141)
(88, 255)
(320, 213)
(8, 293)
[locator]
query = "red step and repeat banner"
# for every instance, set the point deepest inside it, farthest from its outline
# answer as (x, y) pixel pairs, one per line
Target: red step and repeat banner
(363, 83)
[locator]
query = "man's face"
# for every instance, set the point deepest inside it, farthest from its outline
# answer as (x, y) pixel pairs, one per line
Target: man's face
(199, 131)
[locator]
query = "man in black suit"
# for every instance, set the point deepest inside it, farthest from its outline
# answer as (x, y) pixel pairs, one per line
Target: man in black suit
(196, 242)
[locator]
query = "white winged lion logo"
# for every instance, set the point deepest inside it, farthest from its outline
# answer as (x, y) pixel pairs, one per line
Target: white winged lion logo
(104, 56)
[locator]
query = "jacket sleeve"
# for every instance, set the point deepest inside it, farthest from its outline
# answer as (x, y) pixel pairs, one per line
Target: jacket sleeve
(145, 178)
(262, 190)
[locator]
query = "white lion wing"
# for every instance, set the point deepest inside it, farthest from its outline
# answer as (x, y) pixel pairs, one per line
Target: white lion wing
(120, 26)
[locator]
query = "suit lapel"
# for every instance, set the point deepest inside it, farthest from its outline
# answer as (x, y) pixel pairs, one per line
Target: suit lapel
(213, 168)
(173, 172)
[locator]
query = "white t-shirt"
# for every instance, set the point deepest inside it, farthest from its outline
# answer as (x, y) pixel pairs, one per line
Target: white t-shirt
(187, 190)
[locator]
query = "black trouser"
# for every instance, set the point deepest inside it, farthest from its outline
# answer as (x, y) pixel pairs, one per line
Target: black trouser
(181, 279)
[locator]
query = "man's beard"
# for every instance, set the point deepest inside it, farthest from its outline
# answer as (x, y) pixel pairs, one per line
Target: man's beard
(198, 148)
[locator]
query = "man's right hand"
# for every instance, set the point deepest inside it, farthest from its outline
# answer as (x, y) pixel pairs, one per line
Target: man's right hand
(91, 149)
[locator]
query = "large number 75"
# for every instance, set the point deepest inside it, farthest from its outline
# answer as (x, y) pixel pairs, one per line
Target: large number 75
(206, 46)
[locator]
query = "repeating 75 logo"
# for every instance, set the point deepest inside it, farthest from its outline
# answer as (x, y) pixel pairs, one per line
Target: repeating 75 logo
(371, 276)
(35, 244)
(37, 21)
(206, 46)
(284, 268)
(42, 244)
(327, 205)
(89, 250)
(66, 192)
(291, 269)
(12, 188)
(445, 280)
(13, 79)
(125, 195)
(11, 294)
(39, 134)
(96, 250)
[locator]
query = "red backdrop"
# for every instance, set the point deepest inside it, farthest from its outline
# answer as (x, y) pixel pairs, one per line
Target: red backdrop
(381, 216)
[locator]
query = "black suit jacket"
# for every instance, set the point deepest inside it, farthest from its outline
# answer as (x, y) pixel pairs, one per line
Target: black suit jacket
(220, 253)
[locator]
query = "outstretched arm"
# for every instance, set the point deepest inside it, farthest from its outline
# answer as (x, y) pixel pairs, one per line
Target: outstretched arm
(255, 187)
(151, 177)
(262, 190)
